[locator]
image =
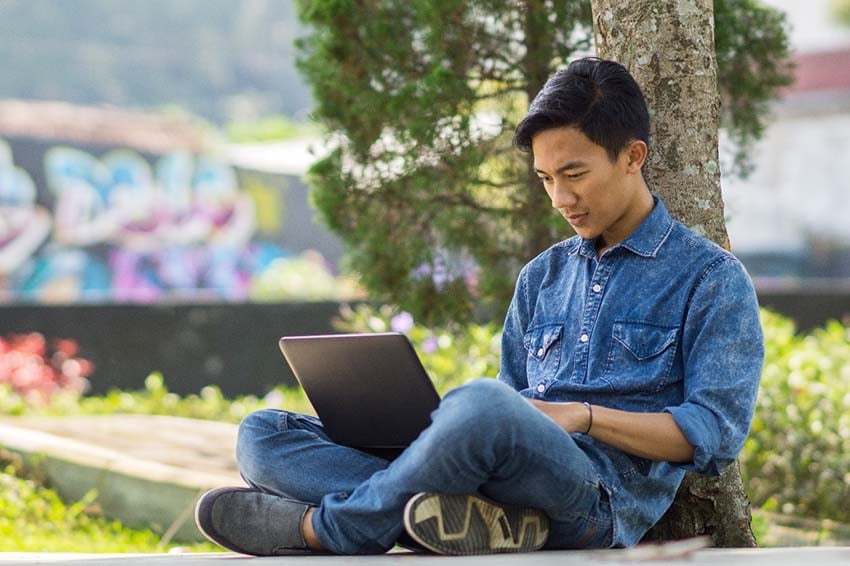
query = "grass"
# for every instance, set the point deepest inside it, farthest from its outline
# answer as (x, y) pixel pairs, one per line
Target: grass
(779, 530)
(33, 518)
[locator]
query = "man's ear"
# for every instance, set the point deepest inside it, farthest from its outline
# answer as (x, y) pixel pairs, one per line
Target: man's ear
(636, 152)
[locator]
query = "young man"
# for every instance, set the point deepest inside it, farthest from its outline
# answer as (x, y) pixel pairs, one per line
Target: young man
(631, 353)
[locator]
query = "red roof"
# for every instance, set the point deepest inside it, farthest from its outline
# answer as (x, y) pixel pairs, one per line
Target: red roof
(826, 70)
(104, 125)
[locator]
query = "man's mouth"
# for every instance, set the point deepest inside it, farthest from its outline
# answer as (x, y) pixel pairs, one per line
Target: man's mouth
(576, 218)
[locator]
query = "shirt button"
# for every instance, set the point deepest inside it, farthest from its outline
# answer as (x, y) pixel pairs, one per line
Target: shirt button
(597, 288)
(540, 352)
(584, 338)
(541, 388)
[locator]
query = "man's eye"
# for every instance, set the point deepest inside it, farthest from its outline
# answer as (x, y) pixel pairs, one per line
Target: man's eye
(576, 175)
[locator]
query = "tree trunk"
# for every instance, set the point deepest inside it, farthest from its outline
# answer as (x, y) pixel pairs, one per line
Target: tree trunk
(717, 507)
(668, 46)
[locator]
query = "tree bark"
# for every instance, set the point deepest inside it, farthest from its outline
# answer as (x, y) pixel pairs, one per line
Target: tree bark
(668, 46)
(716, 507)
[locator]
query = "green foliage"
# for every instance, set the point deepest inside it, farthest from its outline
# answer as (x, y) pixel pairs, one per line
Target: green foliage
(841, 11)
(155, 399)
(34, 519)
(270, 128)
(780, 530)
(451, 354)
(437, 209)
(760, 524)
(307, 277)
(797, 458)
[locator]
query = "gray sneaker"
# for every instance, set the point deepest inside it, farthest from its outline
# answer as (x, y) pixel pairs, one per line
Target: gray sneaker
(472, 524)
(252, 522)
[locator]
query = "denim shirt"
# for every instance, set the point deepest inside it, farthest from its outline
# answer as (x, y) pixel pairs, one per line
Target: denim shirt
(664, 321)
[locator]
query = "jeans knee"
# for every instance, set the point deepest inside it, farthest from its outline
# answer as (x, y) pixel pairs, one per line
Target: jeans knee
(484, 386)
(483, 400)
(480, 411)
(475, 426)
(258, 424)
(252, 430)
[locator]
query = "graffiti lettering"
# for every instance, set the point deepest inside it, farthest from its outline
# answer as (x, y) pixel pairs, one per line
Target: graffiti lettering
(128, 231)
(23, 225)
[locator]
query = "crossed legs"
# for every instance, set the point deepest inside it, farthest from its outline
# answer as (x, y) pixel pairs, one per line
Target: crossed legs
(484, 438)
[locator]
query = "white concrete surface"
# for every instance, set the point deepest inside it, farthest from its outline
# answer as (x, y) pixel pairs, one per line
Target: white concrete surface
(820, 556)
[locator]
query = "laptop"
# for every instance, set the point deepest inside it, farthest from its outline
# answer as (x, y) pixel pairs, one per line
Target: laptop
(370, 390)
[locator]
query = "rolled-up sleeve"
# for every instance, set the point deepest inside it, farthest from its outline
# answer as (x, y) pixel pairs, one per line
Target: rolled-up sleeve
(723, 353)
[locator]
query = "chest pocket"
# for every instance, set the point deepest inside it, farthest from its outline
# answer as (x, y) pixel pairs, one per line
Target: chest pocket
(641, 356)
(544, 352)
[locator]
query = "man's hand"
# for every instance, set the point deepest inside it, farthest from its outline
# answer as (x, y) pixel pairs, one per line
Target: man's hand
(655, 436)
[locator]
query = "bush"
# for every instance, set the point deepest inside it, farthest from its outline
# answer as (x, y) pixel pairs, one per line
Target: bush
(156, 399)
(451, 354)
(33, 372)
(304, 277)
(797, 458)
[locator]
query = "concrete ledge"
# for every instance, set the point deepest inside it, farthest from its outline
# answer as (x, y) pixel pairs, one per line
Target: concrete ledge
(822, 556)
(141, 487)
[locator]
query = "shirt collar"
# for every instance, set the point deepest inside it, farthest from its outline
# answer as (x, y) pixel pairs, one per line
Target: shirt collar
(646, 239)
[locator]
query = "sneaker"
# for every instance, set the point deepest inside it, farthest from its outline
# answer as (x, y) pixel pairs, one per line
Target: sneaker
(472, 524)
(252, 522)
(404, 541)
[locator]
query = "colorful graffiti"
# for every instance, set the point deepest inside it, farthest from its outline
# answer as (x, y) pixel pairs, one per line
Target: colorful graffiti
(23, 225)
(120, 228)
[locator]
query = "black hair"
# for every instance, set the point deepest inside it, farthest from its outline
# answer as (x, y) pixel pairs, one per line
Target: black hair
(598, 97)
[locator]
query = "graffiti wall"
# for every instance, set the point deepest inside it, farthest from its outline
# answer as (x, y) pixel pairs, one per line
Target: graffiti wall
(105, 224)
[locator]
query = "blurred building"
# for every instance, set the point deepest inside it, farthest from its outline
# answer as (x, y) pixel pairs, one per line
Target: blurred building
(788, 221)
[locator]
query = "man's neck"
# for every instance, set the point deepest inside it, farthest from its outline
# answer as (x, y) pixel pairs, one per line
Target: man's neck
(634, 217)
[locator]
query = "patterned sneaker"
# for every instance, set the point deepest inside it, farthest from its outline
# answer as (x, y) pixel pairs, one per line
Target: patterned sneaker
(251, 522)
(472, 524)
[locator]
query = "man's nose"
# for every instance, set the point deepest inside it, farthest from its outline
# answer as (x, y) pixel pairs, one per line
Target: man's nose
(563, 196)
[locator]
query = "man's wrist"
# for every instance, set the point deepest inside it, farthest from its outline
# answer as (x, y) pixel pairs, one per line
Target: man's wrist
(589, 417)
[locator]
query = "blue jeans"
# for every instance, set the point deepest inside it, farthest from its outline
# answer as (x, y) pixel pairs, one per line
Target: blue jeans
(484, 438)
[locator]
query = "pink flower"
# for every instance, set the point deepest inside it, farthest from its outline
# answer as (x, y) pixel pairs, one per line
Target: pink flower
(430, 345)
(68, 348)
(402, 322)
(36, 374)
(273, 398)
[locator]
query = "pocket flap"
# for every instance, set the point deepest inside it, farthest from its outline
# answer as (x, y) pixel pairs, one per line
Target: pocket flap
(539, 340)
(644, 340)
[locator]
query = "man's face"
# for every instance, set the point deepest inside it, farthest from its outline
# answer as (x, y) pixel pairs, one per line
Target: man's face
(598, 197)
